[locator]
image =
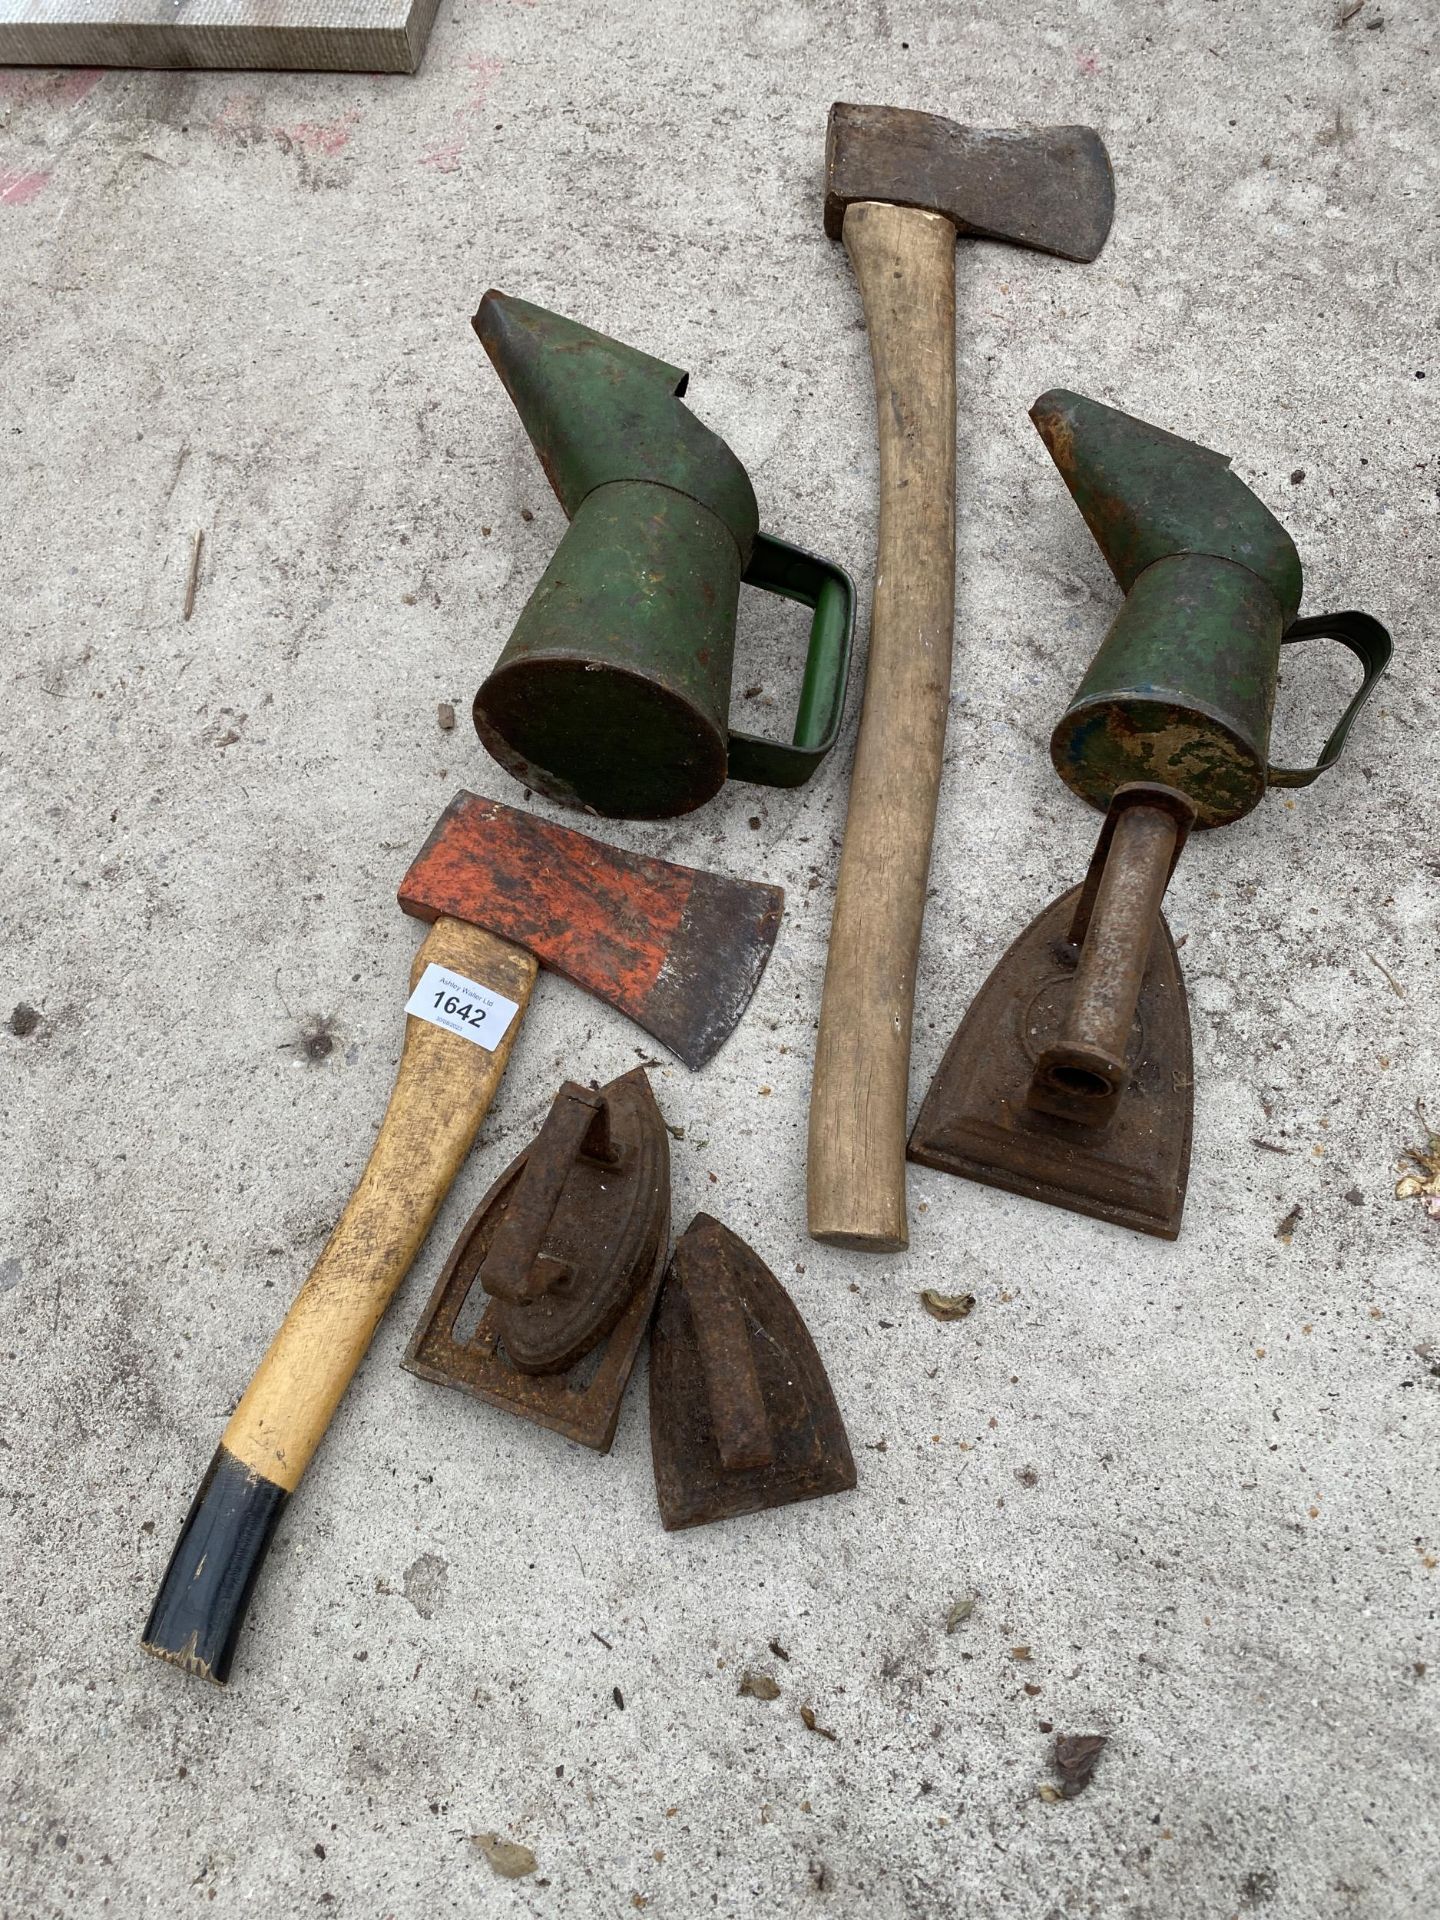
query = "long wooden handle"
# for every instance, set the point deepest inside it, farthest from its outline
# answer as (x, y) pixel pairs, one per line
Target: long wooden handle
(443, 1089)
(905, 261)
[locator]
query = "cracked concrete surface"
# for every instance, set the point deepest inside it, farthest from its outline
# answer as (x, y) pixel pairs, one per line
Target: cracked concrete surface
(1196, 1481)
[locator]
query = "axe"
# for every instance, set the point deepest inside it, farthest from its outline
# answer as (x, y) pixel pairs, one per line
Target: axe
(677, 950)
(899, 187)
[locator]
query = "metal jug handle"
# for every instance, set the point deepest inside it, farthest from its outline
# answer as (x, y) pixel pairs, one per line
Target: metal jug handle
(779, 568)
(1370, 644)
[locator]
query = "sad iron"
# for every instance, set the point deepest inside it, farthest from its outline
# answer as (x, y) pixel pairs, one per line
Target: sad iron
(1070, 1079)
(742, 1416)
(568, 1250)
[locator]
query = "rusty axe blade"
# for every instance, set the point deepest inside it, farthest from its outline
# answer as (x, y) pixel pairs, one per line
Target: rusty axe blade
(678, 950)
(1050, 188)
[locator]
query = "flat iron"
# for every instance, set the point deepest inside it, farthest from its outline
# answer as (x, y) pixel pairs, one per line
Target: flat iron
(742, 1416)
(568, 1250)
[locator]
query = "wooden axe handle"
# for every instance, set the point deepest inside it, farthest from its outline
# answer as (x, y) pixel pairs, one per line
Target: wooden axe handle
(443, 1089)
(905, 261)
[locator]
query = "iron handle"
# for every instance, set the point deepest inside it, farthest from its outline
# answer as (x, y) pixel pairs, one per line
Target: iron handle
(793, 574)
(1082, 1076)
(577, 1124)
(1370, 643)
(733, 1394)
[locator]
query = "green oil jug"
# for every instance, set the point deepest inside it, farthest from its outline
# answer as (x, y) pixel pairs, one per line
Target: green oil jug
(613, 692)
(1182, 690)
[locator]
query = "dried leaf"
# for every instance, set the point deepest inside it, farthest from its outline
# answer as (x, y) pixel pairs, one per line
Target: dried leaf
(759, 1686)
(1075, 1757)
(960, 1610)
(807, 1714)
(1284, 1233)
(1424, 1185)
(506, 1857)
(778, 1651)
(1047, 1792)
(946, 1306)
(445, 717)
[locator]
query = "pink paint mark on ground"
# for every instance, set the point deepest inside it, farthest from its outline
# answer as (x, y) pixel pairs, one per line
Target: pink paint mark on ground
(321, 136)
(484, 69)
(239, 121)
(73, 86)
(18, 188)
(1088, 62)
(447, 158)
(237, 113)
(64, 87)
(484, 72)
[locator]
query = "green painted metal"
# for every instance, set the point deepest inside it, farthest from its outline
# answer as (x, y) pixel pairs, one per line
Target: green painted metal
(1370, 643)
(1182, 690)
(598, 411)
(613, 692)
(776, 567)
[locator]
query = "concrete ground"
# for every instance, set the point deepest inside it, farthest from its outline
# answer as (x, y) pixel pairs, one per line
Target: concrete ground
(1196, 1481)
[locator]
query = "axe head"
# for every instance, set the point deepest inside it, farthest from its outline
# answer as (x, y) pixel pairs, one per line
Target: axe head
(1050, 188)
(678, 950)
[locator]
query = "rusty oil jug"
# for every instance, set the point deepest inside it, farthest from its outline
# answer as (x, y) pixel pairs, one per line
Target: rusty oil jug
(1182, 690)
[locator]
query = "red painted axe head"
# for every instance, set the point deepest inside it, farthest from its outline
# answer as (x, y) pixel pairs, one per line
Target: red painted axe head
(1050, 188)
(678, 950)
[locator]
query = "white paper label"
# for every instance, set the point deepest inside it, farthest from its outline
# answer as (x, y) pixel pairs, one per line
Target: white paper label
(451, 1001)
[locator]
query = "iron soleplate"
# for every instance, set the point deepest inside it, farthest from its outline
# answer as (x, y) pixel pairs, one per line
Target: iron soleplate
(810, 1450)
(582, 1402)
(974, 1121)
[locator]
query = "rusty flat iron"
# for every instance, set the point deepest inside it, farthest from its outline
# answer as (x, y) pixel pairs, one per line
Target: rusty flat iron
(742, 1416)
(566, 1254)
(1070, 1079)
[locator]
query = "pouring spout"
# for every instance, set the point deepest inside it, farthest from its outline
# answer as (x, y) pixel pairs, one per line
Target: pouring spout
(598, 411)
(1147, 494)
